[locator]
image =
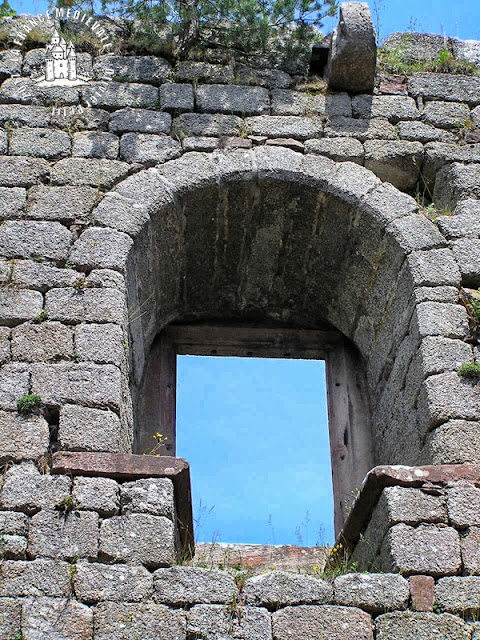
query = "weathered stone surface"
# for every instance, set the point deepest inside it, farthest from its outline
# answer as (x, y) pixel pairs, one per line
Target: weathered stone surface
(140, 120)
(460, 225)
(393, 108)
(25, 489)
(217, 621)
(89, 305)
(448, 396)
(353, 50)
(13, 384)
(97, 494)
(65, 204)
(14, 547)
(421, 132)
(375, 593)
(86, 429)
(181, 586)
(200, 144)
(100, 248)
(467, 255)
(456, 182)
(119, 621)
(421, 626)
(456, 442)
(458, 595)
(34, 63)
(374, 129)
(436, 267)
(148, 69)
(422, 591)
(269, 78)
(101, 343)
(176, 98)
(22, 172)
(313, 622)
(40, 143)
(464, 505)
(5, 350)
(89, 384)
(239, 100)
(439, 319)
(41, 342)
(470, 547)
(204, 72)
(153, 495)
(3, 142)
(34, 578)
(277, 589)
(10, 65)
(56, 619)
(446, 115)
(439, 154)
(96, 582)
(22, 437)
(338, 149)
(145, 147)
(13, 523)
(19, 238)
(107, 279)
(95, 145)
(116, 95)
(395, 161)
(294, 103)
(427, 549)
(24, 115)
(412, 506)
(445, 86)
(10, 616)
(53, 534)
(40, 276)
(443, 354)
(138, 538)
(12, 202)
(299, 128)
(203, 124)
(26, 91)
(94, 172)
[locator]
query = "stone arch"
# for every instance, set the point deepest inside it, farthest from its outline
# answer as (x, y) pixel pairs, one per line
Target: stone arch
(271, 234)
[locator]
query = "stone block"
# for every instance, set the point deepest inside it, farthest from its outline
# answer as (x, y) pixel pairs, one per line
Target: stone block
(148, 148)
(10, 613)
(140, 120)
(19, 238)
(456, 442)
(397, 162)
(458, 595)
(185, 586)
(470, 546)
(176, 98)
(3, 142)
(277, 589)
(200, 144)
(5, 351)
(10, 64)
(34, 578)
(439, 154)
(203, 124)
(40, 143)
(445, 86)
(22, 172)
(428, 550)
(99, 173)
(148, 69)
(56, 619)
(440, 319)
(12, 202)
(88, 305)
(69, 535)
(218, 621)
(117, 95)
(393, 108)
(422, 590)
(296, 127)
(13, 523)
(467, 255)
(90, 119)
(204, 72)
(138, 538)
(42, 342)
(149, 495)
(86, 429)
(101, 343)
(421, 132)
(88, 384)
(239, 100)
(13, 384)
(269, 78)
(376, 128)
(375, 593)
(28, 274)
(107, 279)
(116, 583)
(65, 204)
(97, 494)
(91, 144)
(436, 267)
(456, 182)
(22, 437)
(101, 248)
(313, 622)
(20, 115)
(460, 225)
(463, 503)
(338, 149)
(421, 626)
(25, 489)
(447, 396)
(443, 354)
(446, 115)
(294, 103)
(14, 547)
(119, 621)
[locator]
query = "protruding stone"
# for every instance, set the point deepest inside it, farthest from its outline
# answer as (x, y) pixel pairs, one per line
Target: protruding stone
(181, 586)
(26, 489)
(86, 429)
(96, 582)
(277, 589)
(422, 590)
(149, 495)
(22, 437)
(97, 494)
(375, 593)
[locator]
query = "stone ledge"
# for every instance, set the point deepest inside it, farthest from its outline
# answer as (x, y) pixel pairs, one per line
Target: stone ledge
(123, 466)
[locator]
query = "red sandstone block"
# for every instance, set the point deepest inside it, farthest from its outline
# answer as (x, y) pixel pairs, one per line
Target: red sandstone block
(422, 591)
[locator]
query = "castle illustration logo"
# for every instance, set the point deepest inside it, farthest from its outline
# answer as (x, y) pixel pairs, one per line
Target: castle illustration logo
(61, 64)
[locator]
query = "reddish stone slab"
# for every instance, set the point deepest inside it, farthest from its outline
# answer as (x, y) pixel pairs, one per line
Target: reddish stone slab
(422, 592)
